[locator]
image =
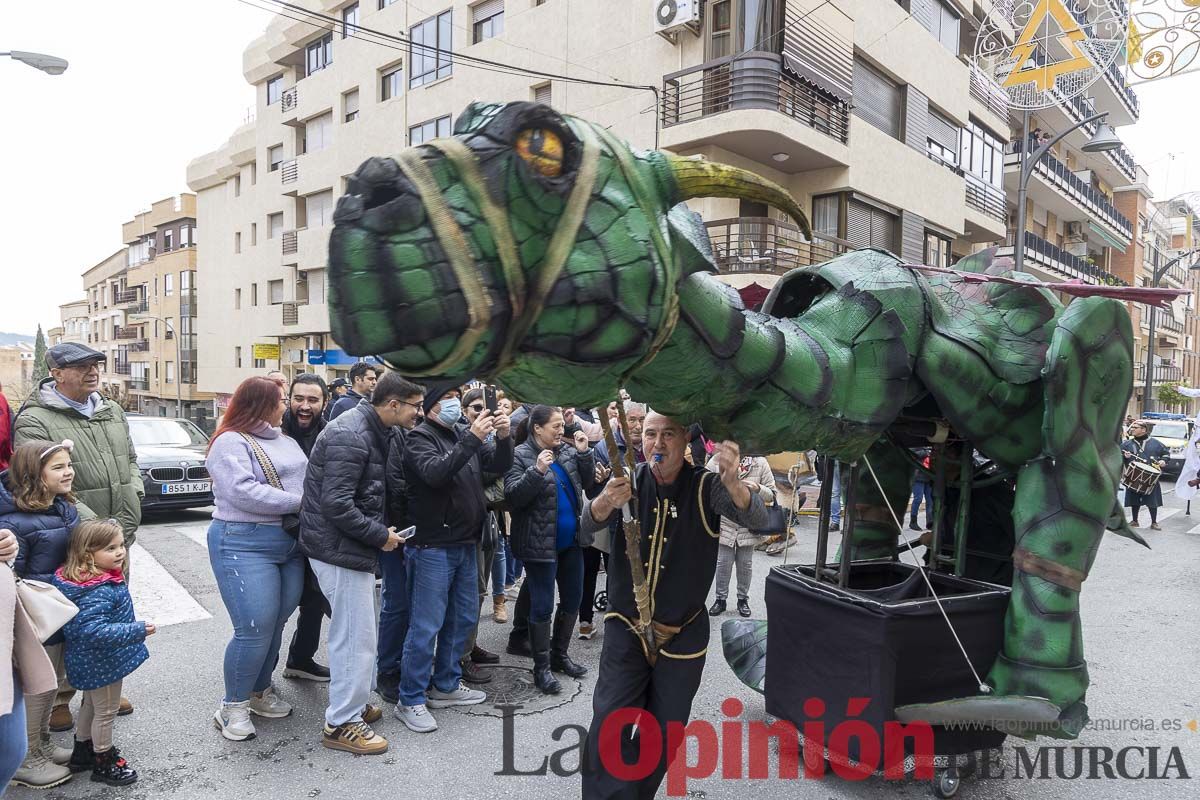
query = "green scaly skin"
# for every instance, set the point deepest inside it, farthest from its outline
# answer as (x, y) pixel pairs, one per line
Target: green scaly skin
(459, 260)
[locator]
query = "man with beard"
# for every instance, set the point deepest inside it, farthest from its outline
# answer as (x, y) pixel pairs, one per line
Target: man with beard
(303, 422)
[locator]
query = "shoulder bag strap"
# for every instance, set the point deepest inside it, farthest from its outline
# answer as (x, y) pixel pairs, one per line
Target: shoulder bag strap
(264, 461)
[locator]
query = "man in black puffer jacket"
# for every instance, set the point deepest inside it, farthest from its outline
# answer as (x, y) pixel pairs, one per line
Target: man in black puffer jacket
(444, 463)
(343, 526)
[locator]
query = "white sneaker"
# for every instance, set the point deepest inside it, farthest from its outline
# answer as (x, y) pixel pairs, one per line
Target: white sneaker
(270, 705)
(233, 721)
(416, 718)
(461, 696)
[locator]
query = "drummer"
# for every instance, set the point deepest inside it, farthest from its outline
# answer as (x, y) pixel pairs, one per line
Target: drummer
(1144, 448)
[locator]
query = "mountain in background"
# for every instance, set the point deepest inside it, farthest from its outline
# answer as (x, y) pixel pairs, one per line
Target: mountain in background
(14, 338)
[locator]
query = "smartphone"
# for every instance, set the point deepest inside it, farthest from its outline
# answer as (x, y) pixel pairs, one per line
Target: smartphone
(489, 398)
(407, 533)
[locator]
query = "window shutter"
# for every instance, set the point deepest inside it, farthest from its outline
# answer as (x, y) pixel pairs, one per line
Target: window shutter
(488, 8)
(949, 28)
(883, 230)
(542, 94)
(876, 99)
(926, 12)
(858, 224)
(943, 131)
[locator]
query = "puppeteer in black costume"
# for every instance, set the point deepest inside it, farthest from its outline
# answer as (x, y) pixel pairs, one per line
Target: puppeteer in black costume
(658, 667)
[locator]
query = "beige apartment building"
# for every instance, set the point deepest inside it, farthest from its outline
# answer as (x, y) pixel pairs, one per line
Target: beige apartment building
(868, 112)
(74, 324)
(16, 373)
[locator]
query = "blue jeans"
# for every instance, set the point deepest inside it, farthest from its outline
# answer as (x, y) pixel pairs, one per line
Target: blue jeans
(922, 490)
(500, 567)
(446, 581)
(541, 576)
(835, 499)
(394, 613)
(260, 573)
(13, 740)
(513, 568)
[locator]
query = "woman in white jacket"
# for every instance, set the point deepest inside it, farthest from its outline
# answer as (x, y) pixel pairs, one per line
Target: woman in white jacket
(737, 543)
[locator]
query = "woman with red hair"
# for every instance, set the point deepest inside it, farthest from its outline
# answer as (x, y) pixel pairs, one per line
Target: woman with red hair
(258, 479)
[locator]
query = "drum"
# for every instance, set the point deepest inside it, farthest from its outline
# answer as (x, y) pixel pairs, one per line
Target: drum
(1141, 477)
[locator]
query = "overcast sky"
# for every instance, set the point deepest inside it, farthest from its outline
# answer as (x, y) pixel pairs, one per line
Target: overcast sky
(154, 83)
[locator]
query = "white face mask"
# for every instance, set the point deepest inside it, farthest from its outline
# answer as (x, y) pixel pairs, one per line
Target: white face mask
(450, 410)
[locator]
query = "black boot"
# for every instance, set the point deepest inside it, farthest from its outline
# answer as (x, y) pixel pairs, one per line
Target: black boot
(83, 757)
(108, 767)
(539, 640)
(518, 644)
(717, 608)
(564, 627)
(387, 686)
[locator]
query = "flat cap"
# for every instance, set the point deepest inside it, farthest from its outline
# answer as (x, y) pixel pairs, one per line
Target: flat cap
(72, 354)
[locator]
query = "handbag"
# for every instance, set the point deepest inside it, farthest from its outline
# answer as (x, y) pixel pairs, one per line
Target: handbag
(777, 521)
(48, 609)
(289, 522)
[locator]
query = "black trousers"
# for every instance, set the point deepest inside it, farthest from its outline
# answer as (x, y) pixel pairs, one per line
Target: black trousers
(313, 606)
(626, 680)
(591, 570)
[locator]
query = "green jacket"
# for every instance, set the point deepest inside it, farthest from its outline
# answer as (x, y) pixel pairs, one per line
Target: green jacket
(108, 483)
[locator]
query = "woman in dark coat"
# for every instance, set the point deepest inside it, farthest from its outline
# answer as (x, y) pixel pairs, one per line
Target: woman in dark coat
(544, 490)
(1145, 448)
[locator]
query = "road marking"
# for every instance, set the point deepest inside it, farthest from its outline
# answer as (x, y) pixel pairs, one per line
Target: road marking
(197, 532)
(157, 596)
(1166, 513)
(1195, 529)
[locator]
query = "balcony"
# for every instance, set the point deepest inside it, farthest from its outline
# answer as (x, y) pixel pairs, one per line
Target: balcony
(129, 297)
(986, 199)
(1163, 373)
(1078, 193)
(750, 105)
(767, 246)
(1080, 108)
(991, 96)
(290, 243)
(289, 171)
(1060, 262)
(187, 303)
(139, 384)
(139, 346)
(127, 332)
(1168, 323)
(121, 368)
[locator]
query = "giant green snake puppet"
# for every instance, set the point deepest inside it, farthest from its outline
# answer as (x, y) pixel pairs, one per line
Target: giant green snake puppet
(539, 251)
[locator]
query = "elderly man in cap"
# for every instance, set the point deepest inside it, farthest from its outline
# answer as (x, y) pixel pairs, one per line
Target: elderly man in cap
(108, 484)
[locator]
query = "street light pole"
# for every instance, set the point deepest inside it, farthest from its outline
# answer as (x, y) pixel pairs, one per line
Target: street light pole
(1102, 140)
(178, 360)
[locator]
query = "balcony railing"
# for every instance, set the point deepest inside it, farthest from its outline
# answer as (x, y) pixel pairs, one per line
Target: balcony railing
(1059, 260)
(1057, 173)
(989, 94)
(290, 243)
(1117, 81)
(289, 171)
(139, 384)
(129, 296)
(127, 332)
(1080, 108)
(1163, 373)
(1167, 322)
(187, 303)
(121, 368)
(759, 244)
(741, 82)
(291, 313)
(986, 199)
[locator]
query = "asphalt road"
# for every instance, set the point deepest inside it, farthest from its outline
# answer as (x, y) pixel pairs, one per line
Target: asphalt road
(1140, 625)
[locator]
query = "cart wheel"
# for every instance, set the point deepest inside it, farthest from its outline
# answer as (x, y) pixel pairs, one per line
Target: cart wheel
(946, 783)
(601, 601)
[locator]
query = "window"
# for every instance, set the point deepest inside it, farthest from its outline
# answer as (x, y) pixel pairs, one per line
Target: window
(318, 132)
(877, 100)
(186, 236)
(542, 94)
(720, 29)
(870, 226)
(170, 372)
(385, 3)
(275, 292)
(318, 209)
(237, 241)
(253, 172)
(826, 215)
(274, 157)
(236, 180)
(981, 153)
(937, 250)
(487, 20)
(427, 131)
(274, 89)
(743, 25)
(254, 294)
(237, 302)
(391, 82)
(350, 106)
(431, 61)
(349, 20)
(943, 139)
(939, 19)
(186, 283)
(169, 284)
(253, 233)
(274, 224)
(319, 54)
(260, 363)
(168, 241)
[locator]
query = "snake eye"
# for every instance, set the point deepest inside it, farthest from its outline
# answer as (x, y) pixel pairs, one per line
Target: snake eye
(542, 149)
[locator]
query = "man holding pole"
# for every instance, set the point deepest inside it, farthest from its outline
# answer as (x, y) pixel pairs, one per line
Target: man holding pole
(656, 629)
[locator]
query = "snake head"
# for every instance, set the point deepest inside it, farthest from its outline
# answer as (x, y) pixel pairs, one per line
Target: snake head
(526, 244)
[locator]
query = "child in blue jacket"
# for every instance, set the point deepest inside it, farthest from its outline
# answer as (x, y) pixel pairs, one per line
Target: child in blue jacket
(104, 643)
(36, 504)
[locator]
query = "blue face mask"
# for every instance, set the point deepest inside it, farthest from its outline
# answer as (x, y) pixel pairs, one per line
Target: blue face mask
(450, 410)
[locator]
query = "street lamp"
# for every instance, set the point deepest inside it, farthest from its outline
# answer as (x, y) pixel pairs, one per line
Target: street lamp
(51, 65)
(1103, 140)
(178, 358)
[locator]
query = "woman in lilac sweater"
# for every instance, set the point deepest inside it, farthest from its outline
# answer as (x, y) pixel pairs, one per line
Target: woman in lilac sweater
(258, 478)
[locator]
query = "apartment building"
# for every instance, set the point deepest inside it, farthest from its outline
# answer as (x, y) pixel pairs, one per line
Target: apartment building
(16, 372)
(109, 329)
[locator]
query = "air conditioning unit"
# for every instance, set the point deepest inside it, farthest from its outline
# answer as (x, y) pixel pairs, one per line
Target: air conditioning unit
(671, 16)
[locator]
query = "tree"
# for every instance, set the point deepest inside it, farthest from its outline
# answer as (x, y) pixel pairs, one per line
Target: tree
(39, 357)
(1168, 396)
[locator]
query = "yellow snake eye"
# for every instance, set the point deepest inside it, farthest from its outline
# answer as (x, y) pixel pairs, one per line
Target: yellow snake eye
(542, 149)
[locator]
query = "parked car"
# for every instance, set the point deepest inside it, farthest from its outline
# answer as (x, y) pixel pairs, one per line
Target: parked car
(170, 454)
(1174, 431)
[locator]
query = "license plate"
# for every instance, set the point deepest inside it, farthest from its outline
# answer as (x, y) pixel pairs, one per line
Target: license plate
(186, 488)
